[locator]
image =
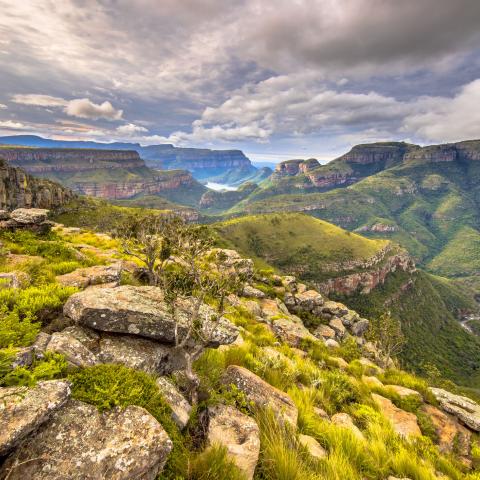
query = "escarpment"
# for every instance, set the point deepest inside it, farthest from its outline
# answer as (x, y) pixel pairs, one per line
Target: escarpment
(18, 190)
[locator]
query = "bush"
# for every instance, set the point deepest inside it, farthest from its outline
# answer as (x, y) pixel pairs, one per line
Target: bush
(338, 391)
(17, 332)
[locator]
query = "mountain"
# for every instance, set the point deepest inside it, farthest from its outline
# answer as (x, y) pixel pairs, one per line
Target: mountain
(370, 276)
(204, 164)
(20, 190)
(425, 198)
(111, 174)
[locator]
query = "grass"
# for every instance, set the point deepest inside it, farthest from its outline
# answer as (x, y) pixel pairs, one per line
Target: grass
(296, 243)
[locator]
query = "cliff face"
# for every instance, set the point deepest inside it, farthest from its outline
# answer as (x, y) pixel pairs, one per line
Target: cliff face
(20, 190)
(42, 160)
(373, 273)
(121, 190)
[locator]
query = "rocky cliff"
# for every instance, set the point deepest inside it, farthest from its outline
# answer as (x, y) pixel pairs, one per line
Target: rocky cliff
(18, 189)
(44, 160)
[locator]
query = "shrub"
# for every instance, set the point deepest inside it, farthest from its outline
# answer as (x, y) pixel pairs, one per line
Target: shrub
(337, 391)
(349, 350)
(17, 332)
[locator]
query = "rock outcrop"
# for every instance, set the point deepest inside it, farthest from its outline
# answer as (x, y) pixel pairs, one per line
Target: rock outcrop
(79, 442)
(34, 219)
(464, 409)
(20, 190)
(23, 410)
(238, 433)
(261, 393)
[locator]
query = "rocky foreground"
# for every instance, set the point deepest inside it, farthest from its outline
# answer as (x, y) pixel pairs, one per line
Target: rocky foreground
(48, 433)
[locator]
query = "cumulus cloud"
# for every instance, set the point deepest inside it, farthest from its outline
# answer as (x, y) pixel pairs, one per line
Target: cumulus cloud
(447, 119)
(2, 106)
(131, 129)
(84, 108)
(80, 107)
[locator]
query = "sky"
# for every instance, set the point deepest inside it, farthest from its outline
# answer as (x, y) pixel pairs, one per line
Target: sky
(278, 79)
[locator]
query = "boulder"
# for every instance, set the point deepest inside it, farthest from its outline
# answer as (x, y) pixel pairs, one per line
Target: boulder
(238, 433)
(29, 215)
(181, 409)
(331, 343)
(308, 300)
(16, 279)
(261, 393)
(289, 282)
(139, 353)
(232, 259)
(249, 291)
(451, 435)
(350, 318)
(273, 308)
(290, 332)
(334, 308)
(337, 325)
(372, 381)
(76, 354)
(4, 215)
(324, 332)
(251, 306)
(345, 420)
(360, 327)
(142, 311)
(464, 409)
(404, 423)
(312, 446)
(81, 443)
(320, 412)
(23, 410)
(404, 391)
(96, 275)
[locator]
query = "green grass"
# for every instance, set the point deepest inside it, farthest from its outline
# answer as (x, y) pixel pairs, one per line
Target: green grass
(296, 243)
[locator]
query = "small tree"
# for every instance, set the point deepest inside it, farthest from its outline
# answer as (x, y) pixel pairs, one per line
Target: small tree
(386, 334)
(180, 260)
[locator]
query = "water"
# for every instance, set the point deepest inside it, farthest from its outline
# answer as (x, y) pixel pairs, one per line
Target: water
(220, 186)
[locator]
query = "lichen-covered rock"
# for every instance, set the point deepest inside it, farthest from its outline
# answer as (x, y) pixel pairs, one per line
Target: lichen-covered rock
(360, 327)
(466, 410)
(74, 351)
(29, 215)
(273, 308)
(232, 259)
(404, 423)
(181, 409)
(324, 332)
(142, 311)
(139, 353)
(80, 443)
(308, 300)
(334, 308)
(238, 433)
(337, 325)
(96, 275)
(312, 446)
(451, 435)
(249, 291)
(261, 393)
(293, 333)
(23, 410)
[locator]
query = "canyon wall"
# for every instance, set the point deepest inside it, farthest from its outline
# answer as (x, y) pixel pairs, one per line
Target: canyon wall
(20, 190)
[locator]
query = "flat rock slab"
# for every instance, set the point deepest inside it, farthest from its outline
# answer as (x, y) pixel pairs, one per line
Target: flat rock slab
(404, 423)
(23, 410)
(79, 443)
(29, 215)
(465, 409)
(261, 393)
(238, 433)
(96, 275)
(142, 311)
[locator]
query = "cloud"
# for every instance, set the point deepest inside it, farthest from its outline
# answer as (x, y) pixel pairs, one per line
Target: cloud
(11, 125)
(84, 108)
(81, 107)
(442, 119)
(39, 100)
(2, 106)
(130, 129)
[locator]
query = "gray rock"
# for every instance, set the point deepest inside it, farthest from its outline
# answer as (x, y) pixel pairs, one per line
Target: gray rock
(330, 342)
(96, 275)
(15, 279)
(4, 215)
(463, 408)
(139, 353)
(290, 332)
(29, 215)
(309, 300)
(360, 327)
(249, 291)
(142, 311)
(74, 351)
(79, 443)
(181, 409)
(312, 446)
(239, 434)
(261, 393)
(338, 326)
(23, 410)
(324, 332)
